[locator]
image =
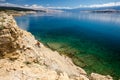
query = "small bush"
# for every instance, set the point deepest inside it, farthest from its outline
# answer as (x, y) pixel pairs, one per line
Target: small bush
(1, 27)
(2, 20)
(27, 62)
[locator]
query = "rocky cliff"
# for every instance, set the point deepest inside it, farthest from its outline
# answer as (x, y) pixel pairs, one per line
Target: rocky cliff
(22, 57)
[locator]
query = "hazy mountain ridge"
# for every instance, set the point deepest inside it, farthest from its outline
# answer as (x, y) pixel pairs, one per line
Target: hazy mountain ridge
(117, 8)
(18, 9)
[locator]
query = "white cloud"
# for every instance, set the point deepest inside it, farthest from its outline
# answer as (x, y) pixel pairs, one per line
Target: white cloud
(90, 6)
(26, 5)
(59, 7)
(9, 4)
(34, 6)
(102, 5)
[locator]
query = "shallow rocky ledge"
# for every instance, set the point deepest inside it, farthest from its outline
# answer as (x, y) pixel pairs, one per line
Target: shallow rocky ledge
(24, 58)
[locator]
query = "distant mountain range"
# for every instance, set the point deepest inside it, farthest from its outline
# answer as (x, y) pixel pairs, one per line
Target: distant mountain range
(18, 9)
(100, 9)
(15, 8)
(117, 8)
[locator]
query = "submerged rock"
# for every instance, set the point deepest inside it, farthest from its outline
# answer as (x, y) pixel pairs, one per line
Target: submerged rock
(25, 58)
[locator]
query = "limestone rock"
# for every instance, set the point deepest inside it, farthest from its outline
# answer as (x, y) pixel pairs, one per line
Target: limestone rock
(9, 34)
(95, 76)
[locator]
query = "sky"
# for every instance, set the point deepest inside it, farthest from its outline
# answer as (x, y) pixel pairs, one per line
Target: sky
(61, 3)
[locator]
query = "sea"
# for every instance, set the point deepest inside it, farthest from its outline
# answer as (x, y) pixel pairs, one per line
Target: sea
(91, 40)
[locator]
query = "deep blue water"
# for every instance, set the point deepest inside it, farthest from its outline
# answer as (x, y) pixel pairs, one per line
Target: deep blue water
(92, 40)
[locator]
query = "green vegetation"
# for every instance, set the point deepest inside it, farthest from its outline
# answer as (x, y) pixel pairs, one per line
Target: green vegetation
(27, 62)
(6, 9)
(14, 8)
(1, 27)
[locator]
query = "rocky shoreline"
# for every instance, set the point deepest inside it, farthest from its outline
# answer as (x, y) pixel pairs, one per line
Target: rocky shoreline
(22, 57)
(18, 13)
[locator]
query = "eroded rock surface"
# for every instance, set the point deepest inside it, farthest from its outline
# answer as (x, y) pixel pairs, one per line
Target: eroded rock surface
(95, 76)
(24, 58)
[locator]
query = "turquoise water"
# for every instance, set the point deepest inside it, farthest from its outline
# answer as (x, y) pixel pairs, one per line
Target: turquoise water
(92, 40)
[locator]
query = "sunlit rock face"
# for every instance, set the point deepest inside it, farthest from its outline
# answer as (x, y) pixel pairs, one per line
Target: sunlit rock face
(9, 34)
(95, 76)
(24, 58)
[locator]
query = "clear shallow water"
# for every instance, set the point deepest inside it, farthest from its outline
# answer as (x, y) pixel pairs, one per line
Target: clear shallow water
(92, 40)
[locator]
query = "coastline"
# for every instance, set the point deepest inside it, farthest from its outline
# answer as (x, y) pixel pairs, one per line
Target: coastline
(33, 55)
(18, 13)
